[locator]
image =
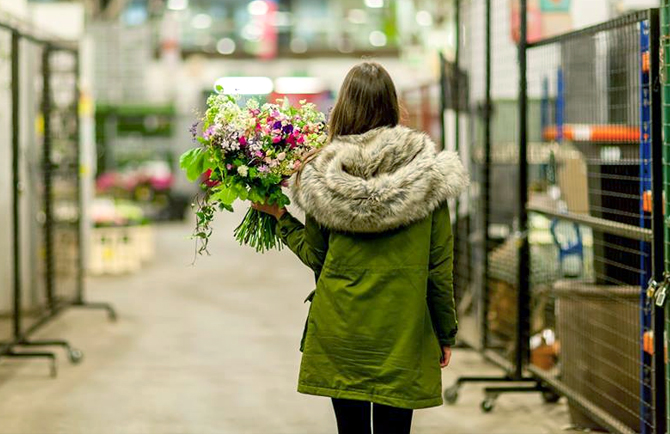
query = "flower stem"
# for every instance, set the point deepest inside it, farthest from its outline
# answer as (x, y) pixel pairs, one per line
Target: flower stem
(257, 230)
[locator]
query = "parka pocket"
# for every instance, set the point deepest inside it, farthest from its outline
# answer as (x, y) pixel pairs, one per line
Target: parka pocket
(309, 298)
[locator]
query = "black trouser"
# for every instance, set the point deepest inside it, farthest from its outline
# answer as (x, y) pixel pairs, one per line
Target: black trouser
(353, 417)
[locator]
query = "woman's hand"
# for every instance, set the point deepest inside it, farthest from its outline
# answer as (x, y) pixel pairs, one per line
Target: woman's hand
(273, 210)
(446, 357)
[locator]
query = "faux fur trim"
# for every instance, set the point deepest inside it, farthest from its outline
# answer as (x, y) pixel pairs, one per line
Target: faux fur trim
(377, 181)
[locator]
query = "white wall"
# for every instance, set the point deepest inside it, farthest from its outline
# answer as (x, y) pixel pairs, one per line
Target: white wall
(588, 13)
(63, 20)
(18, 8)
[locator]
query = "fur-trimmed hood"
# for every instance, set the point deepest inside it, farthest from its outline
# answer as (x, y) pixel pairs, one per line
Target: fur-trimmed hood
(378, 181)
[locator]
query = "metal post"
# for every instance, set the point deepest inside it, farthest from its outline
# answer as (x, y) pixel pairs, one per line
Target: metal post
(46, 177)
(521, 356)
(660, 420)
(443, 100)
(16, 181)
(486, 180)
(79, 298)
(457, 78)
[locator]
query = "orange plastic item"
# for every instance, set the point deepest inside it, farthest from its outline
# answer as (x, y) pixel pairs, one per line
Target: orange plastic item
(594, 133)
(648, 345)
(645, 62)
(646, 201)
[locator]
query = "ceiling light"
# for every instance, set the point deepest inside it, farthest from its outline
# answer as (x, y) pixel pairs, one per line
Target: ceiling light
(374, 3)
(252, 32)
(225, 46)
(177, 5)
(424, 18)
(357, 16)
(258, 7)
(201, 21)
(378, 39)
(244, 85)
(299, 85)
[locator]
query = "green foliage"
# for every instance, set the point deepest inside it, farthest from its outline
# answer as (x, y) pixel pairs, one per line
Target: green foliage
(192, 161)
(225, 195)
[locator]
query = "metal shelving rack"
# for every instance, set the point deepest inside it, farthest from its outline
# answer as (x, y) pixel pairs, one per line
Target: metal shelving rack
(60, 195)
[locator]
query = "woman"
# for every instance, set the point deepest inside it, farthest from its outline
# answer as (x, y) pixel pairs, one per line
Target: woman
(378, 237)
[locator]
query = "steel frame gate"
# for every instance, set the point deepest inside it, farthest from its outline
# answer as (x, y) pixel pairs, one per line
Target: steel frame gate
(615, 137)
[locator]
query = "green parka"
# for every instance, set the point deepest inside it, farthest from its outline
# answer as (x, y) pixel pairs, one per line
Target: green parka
(377, 235)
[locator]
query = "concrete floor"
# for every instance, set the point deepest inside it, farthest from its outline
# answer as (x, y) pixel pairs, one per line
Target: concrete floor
(212, 348)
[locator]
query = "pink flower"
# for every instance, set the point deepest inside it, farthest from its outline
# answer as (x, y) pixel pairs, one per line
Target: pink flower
(264, 169)
(243, 141)
(259, 154)
(276, 139)
(229, 166)
(297, 165)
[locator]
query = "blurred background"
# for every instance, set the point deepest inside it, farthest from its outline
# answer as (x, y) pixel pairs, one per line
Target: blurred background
(555, 243)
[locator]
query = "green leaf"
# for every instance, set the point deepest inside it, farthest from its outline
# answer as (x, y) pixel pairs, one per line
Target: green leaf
(208, 162)
(192, 162)
(255, 196)
(223, 206)
(226, 196)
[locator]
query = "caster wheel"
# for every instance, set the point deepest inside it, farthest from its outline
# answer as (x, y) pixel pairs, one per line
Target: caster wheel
(450, 395)
(487, 405)
(550, 397)
(75, 356)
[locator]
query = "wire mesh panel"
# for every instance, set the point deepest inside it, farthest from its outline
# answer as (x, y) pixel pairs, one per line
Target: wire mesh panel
(502, 213)
(47, 170)
(589, 96)
(60, 98)
(31, 175)
(465, 98)
(6, 186)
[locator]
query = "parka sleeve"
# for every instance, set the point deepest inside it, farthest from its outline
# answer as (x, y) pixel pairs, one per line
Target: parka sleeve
(440, 294)
(309, 241)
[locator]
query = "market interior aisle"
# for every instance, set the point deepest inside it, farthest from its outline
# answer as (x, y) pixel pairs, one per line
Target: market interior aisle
(210, 348)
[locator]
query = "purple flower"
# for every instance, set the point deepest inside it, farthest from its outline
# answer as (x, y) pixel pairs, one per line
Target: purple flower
(209, 132)
(276, 125)
(288, 129)
(194, 130)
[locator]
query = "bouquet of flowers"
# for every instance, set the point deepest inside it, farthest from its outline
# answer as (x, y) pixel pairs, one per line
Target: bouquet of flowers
(248, 152)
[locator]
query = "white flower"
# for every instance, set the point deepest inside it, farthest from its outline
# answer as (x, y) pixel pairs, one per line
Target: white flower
(243, 170)
(281, 156)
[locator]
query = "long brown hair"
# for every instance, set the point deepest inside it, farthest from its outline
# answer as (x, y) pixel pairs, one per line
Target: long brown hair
(367, 100)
